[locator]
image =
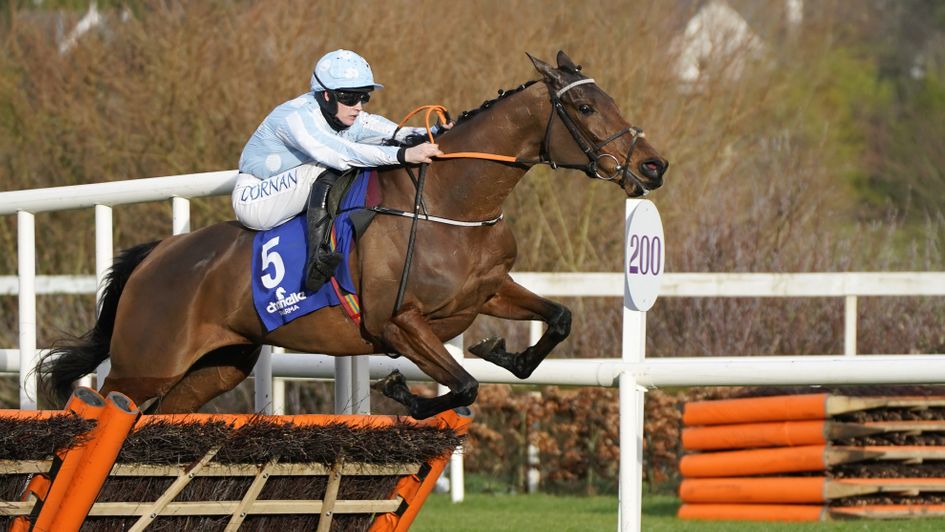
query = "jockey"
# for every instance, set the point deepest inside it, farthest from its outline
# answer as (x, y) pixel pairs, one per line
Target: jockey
(297, 153)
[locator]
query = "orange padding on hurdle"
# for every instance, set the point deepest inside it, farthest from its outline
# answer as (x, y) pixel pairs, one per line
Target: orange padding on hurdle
(87, 404)
(755, 462)
(414, 489)
(753, 512)
(753, 490)
(756, 409)
(748, 435)
(34, 414)
(301, 420)
(107, 438)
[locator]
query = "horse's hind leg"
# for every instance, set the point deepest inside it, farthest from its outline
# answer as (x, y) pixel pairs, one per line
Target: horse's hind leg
(514, 302)
(217, 372)
(142, 390)
(409, 335)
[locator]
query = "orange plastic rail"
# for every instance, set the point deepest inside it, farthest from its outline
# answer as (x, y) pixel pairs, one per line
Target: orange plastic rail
(87, 404)
(804, 512)
(782, 490)
(755, 410)
(755, 462)
(413, 488)
(753, 490)
(749, 435)
(109, 435)
(753, 512)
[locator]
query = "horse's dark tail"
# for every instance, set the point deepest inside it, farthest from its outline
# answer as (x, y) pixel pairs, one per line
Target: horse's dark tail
(73, 358)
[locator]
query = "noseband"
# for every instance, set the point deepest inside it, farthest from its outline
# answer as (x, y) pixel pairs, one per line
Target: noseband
(591, 149)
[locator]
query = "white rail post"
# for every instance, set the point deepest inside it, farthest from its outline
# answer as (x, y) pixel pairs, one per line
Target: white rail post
(180, 215)
(361, 384)
(278, 396)
(630, 490)
(262, 381)
(532, 456)
(533, 453)
(457, 473)
(26, 271)
(644, 261)
(849, 326)
(104, 251)
(343, 394)
(278, 388)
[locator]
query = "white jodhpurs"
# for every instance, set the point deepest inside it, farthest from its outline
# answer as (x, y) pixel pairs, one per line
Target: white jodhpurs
(265, 203)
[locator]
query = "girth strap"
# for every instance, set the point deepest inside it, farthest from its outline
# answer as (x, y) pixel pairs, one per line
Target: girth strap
(438, 219)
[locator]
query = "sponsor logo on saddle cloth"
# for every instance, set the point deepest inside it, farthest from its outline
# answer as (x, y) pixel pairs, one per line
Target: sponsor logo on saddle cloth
(279, 293)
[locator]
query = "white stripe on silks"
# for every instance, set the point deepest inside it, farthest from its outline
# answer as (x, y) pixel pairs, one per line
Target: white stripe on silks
(570, 86)
(320, 153)
(302, 136)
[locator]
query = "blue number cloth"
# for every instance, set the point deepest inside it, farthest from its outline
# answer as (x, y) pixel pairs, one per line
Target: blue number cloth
(279, 293)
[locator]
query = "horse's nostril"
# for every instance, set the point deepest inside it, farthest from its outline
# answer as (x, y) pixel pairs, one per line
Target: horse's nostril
(652, 168)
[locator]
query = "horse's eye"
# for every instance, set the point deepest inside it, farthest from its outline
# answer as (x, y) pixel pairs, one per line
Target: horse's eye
(585, 109)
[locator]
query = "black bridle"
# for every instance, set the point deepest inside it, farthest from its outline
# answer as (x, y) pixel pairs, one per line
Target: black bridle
(593, 150)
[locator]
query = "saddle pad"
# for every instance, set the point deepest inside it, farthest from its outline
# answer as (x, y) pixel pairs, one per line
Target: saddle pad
(279, 293)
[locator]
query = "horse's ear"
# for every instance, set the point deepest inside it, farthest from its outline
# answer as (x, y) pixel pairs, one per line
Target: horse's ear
(565, 63)
(547, 71)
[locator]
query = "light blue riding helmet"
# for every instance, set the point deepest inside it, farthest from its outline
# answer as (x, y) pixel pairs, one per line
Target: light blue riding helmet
(342, 69)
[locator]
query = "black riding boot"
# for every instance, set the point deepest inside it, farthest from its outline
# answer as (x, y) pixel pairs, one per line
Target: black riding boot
(320, 262)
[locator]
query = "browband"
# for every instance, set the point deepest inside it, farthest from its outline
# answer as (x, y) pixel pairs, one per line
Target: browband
(570, 86)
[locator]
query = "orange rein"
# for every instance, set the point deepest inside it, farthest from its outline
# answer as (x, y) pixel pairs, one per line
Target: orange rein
(441, 113)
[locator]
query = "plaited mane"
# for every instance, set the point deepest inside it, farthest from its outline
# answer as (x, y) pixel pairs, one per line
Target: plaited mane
(466, 115)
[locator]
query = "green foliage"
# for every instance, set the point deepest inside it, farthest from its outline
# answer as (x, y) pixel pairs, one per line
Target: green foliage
(830, 104)
(911, 175)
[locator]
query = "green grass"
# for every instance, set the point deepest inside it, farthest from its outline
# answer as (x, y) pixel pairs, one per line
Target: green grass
(549, 513)
(546, 513)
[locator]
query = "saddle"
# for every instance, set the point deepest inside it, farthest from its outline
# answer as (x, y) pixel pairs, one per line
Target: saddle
(361, 218)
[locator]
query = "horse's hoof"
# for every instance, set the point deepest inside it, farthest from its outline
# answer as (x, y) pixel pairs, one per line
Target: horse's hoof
(394, 380)
(488, 346)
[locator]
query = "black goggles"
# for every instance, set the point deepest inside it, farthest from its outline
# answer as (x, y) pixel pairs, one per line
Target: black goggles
(351, 99)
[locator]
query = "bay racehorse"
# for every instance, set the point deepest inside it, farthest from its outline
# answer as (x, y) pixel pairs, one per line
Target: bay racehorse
(177, 316)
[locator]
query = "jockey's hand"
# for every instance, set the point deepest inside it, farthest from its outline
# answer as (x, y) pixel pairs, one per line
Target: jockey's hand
(422, 153)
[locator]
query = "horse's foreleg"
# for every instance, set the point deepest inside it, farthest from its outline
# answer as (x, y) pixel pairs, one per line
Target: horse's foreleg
(514, 302)
(410, 335)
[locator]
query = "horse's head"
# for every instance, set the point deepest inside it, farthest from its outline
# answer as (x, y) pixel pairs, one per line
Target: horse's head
(587, 132)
